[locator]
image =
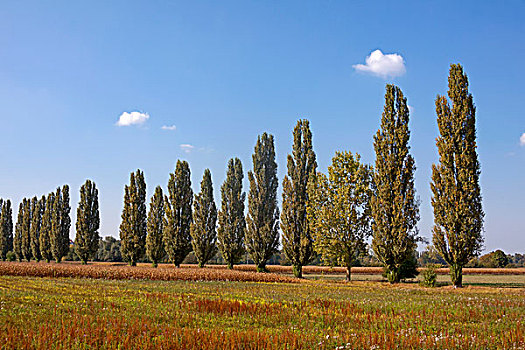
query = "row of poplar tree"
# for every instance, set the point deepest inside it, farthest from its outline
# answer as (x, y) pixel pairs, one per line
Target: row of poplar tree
(331, 215)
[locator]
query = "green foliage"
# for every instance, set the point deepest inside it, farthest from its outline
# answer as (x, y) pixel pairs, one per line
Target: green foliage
(109, 250)
(29, 205)
(262, 234)
(232, 223)
(46, 228)
(36, 225)
(88, 222)
(154, 243)
(429, 276)
(339, 211)
(60, 224)
(495, 259)
(203, 229)
(178, 219)
(133, 226)
(6, 228)
(17, 239)
(296, 238)
(395, 209)
(458, 213)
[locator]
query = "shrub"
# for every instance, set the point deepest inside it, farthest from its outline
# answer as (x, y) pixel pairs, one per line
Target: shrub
(429, 276)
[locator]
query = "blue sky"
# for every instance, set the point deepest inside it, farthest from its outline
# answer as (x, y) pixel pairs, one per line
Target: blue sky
(224, 72)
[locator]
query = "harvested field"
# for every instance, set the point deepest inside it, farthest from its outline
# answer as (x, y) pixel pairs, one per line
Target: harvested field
(124, 272)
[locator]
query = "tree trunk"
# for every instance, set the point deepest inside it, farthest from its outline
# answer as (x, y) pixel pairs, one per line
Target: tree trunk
(47, 261)
(456, 275)
(230, 265)
(348, 273)
(201, 265)
(262, 268)
(154, 264)
(297, 271)
(84, 262)
(132, 263)
(393, 275)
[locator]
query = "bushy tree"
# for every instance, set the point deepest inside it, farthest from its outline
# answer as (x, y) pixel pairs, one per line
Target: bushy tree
(109, 250)
(60, 224)
(36, 225)
(203, 229)
(133, 228)
(154, 243)
(88, 222)
(262, 234)
(17, 239)
(232, 223)
(458, 212)
(47, 228)
(6, 228)
(395, 208)
(339, 210)
(297, 239)
(178, 206)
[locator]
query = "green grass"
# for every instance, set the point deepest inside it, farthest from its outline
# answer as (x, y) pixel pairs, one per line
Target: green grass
(70, 313)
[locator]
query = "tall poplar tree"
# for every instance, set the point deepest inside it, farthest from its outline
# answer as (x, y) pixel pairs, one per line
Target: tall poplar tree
(6, 229)
(262, 234)
(46, 229)
(339, 210)
(232, 223)
(154, 243)
(203, 229)
(395, 208)
(297, 238)
(178, 219)
(457, 202)
(36, 225)
(60, 224)
(17, 239)
(29, 206)
(133, 228)
(88, 222)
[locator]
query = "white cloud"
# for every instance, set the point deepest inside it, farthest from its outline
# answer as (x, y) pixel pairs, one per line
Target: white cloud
(187, 147)
(133, 118)
(384, 66)
(522, 139)
(411, 109)
(169, 127)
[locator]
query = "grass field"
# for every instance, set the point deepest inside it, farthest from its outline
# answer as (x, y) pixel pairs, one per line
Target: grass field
(86, 313)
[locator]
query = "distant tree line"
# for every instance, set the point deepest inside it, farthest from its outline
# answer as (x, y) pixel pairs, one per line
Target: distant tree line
(324, 217)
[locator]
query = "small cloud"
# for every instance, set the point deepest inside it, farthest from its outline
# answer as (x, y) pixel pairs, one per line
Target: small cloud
(381, 65)
(522, 139)
(187, 147)
(133, 118)
(411, 109)
(169, 127)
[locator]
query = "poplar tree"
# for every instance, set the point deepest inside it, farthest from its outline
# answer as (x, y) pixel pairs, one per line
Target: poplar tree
(457, 202)
(339, 210)
(297, 239)
(29, 206)
(395, 208)
(36, 225)
(262, 234)
(17, 239)
(6, 227)
(232, 224)
(154, 244)
(46, 229)
(60, 224)
(88, 222)
(203, 229)
(134, 220)
(178, 219)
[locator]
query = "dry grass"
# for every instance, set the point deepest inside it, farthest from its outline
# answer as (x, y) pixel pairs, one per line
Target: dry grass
(142, 272)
